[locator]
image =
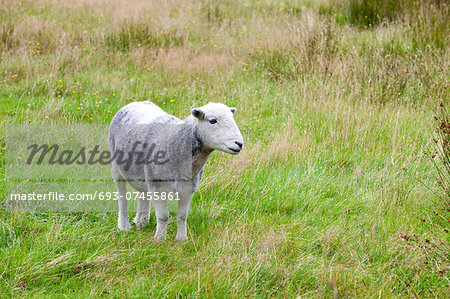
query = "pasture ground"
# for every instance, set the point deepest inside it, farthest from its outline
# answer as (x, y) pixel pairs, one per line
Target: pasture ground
(332, 196)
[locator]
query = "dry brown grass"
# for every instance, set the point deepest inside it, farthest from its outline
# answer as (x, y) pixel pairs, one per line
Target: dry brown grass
(184, 59)
(287, 145)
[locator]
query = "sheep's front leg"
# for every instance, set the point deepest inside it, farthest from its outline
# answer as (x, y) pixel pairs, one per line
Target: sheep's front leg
(143, 210)
(182, 213)
(123, 222)
(162, 219)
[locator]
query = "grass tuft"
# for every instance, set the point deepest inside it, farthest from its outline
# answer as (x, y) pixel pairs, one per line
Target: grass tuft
(140, 35)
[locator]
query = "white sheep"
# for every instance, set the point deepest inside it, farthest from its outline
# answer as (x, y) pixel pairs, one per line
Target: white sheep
(183, 147)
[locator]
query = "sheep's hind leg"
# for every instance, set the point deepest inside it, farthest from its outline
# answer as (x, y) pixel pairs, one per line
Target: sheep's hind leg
(143, 210)
(162, 219)
(123, 222)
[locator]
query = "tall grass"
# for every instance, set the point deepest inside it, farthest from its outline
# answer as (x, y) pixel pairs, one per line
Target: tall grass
(440, 156)
(442, 152)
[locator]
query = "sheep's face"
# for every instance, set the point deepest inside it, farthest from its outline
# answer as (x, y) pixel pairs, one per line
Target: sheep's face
(217, 129)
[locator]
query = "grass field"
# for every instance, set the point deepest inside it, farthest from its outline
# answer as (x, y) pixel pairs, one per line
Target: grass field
(333, 195)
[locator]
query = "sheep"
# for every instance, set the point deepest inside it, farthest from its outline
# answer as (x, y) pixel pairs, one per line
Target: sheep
(187, 145)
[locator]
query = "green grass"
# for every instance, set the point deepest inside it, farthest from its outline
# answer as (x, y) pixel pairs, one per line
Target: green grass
(333, 194)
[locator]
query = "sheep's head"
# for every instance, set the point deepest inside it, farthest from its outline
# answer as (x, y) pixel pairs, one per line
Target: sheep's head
(217, 129)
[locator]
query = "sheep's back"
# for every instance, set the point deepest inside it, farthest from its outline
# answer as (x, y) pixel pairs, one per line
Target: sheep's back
(147, 123)
(141, 113)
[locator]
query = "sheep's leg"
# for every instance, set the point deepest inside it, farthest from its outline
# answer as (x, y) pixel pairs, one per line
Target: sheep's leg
(123, 222)
(162, 219)
(182, 213)
(143, 210)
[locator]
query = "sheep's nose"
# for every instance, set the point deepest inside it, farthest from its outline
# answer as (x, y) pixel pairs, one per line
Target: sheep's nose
(240, 144)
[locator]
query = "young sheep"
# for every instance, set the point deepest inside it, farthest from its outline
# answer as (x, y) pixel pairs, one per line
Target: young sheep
(186, 145)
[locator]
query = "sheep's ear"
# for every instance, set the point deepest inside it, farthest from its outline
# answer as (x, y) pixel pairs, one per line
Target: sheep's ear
(233, 110)
(198, 113)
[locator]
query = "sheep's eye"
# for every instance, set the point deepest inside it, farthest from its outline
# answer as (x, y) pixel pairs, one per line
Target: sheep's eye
(213, 121)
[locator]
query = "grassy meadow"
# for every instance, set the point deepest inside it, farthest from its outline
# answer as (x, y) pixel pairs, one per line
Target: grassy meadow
(333, 195)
